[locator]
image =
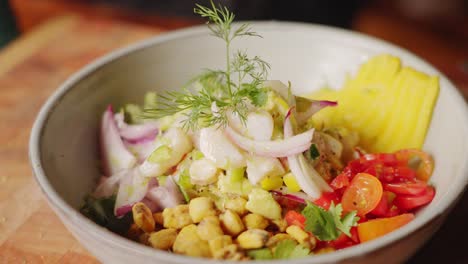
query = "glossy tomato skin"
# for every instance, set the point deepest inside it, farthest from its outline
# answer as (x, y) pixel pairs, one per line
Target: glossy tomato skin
(410, 202)
(339, 182)
(363, 194)
(295, 218)
(327, 198)
(413, 187)
(343, 241)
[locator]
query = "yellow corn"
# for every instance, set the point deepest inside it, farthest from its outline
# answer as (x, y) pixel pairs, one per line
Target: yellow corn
(232, 223)
(163, 239)
(297, 233)
(209, 228)
(255, 221)
(253, 238)
(219, 242)
(143, 217)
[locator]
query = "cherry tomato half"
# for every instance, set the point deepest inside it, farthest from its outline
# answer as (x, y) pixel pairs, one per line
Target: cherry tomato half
(414, 187)
(295, 218)
(339, 182)
(425, 163)
(326, 199)
(410, 202)
(363, 194)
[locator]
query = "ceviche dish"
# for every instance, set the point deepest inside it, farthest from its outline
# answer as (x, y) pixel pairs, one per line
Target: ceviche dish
(235, 166)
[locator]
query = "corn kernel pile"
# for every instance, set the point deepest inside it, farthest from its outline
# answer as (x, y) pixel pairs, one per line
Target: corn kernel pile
(199, 229)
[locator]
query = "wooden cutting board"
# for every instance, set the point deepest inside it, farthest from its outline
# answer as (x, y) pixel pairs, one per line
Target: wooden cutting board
(30, 70)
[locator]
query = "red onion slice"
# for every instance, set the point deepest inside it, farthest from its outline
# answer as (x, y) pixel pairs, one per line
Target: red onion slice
(277, 148)
(166, 196)
(314, 107)
(136, 133)
(115, 156)
(133, 188)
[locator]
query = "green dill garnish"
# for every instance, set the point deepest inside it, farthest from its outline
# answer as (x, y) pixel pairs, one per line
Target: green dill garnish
(209, 96)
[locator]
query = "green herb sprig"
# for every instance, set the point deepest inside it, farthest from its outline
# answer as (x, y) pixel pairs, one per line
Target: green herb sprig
(328, 225)
(208, 97)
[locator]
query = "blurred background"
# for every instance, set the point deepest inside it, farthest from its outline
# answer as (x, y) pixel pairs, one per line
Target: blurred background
(434, 29)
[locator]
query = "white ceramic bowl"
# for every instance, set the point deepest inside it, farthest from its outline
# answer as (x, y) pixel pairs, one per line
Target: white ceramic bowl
(63, 145)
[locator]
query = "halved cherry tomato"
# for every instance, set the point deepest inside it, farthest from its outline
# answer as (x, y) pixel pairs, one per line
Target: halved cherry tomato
(326, 199)
(339, 182)
(404, 173)
(363, 194)
(414, 187)
(387, 159)
(425, 163)
(382, 207)
(378, 227)
(295, 218)
(410, 202)
(343, 241)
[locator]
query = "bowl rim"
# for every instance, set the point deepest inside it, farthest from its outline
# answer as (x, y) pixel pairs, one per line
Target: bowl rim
(80, 222)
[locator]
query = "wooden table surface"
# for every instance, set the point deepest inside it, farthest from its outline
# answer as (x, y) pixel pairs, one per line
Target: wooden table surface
(31, 68)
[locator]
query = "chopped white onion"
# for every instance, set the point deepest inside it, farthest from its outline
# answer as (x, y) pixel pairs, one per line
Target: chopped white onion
(277, 148)
(133, 188)
(306, 176)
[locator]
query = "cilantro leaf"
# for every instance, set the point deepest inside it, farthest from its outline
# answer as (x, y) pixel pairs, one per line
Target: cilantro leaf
(327, 225)
(286, 249)
(343, 224)
(299, 251)
(320, 222)
(348, 221)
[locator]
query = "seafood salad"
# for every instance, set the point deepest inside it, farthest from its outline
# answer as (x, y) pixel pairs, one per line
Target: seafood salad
(235, 166)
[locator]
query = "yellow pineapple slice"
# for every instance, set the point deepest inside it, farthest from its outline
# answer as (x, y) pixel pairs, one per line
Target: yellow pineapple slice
(389, 106)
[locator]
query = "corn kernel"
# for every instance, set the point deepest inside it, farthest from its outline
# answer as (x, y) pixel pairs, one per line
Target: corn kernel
(219, 242)
(237, 205)
(253, 238)
(274, 240)
(297, 233)
(209, 228)
(177, 217)
(200, 208)
(232, 223)
(143, 217)
(255, 221)
(189, 243)
(163, 239)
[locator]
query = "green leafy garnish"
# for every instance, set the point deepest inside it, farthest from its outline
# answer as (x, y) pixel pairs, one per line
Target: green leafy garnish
(101, 211)
(314, 152)
(345, 223)
(286, 249)
(327, 225)
(215, 93)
